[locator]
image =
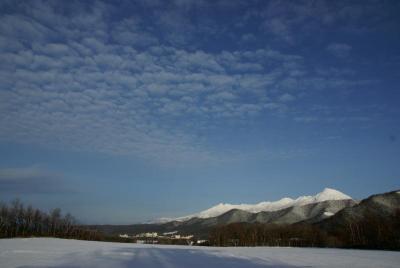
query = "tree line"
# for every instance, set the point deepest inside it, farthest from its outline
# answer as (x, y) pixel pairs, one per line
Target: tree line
(257, 234)
(18, 220)
(371, 231)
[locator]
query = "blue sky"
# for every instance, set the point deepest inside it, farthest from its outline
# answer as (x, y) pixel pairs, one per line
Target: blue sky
(125, 111)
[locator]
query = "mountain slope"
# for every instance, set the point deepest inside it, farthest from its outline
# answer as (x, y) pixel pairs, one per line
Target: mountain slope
(379, 205)
(312, 212)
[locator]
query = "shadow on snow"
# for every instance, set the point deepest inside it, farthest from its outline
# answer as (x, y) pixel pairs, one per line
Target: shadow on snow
(162, 257)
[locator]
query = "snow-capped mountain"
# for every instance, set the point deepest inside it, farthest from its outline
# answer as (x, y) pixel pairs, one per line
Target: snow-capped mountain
(329, 209)
(326, 195)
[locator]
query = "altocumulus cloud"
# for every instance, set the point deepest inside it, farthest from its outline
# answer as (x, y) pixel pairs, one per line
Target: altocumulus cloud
(75, 75)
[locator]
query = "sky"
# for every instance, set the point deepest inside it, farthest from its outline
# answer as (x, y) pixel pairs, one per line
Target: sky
(127, 111)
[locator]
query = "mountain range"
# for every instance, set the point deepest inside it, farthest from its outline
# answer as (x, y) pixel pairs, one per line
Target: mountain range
(326, 195)
(315, 209)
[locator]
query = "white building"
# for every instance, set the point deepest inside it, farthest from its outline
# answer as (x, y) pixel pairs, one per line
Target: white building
(170, 233)
(177, 236)
(148, 235)
(124, 236)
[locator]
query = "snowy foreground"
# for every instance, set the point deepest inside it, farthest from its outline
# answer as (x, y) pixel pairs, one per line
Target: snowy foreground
(51, 252)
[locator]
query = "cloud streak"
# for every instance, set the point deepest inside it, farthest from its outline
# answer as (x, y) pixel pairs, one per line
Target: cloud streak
(31, 180)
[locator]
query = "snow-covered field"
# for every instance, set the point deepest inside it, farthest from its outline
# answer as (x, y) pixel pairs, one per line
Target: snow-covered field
(51, 252)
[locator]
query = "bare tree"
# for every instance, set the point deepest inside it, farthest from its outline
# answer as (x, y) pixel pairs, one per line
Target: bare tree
(16, 220)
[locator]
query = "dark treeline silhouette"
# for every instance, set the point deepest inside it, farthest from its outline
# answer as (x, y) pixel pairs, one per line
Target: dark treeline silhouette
(245, 234)
(16, 220)
(368, 232)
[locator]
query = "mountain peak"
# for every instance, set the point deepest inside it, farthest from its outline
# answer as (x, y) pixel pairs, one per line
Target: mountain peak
(331, 194)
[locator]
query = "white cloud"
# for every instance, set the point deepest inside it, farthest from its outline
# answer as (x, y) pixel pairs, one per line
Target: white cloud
(286, 97)
(249, 37)
(121, 90)
(339, 50)
(279, 27)
(222, 96)
(306, 119)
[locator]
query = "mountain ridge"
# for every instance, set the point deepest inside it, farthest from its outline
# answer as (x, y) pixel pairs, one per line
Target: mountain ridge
(265, 206)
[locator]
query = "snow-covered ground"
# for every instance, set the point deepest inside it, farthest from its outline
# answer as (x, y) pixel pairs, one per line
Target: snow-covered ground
(51, 252)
